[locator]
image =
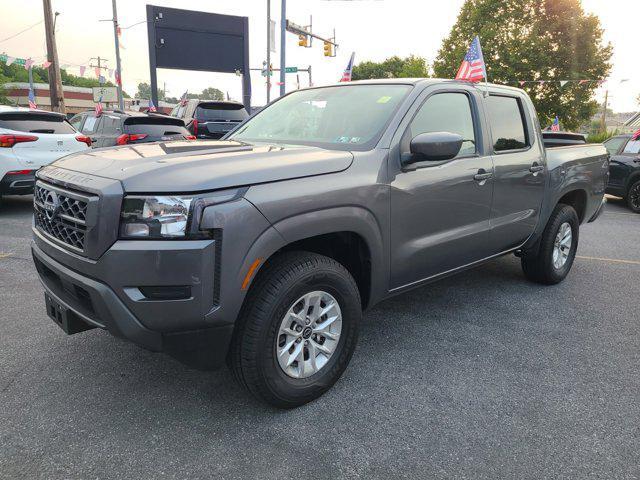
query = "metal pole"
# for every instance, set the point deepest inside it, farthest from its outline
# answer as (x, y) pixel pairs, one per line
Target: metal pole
(604, 111)
(309, 71)
(55, 83)
(118, 65)
(283, 42)
(268, 51)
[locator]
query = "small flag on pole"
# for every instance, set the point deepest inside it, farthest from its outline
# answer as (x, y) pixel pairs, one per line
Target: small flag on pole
(32, 100)
(346, 76)
(82, 69)
(28, 63)
(152, 107)
(636, 135)
(183, 99)
(99, 107)
(555, 126)
(46, 64)
(472, 68)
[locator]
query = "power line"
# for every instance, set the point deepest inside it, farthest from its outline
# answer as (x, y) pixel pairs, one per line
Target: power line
(22, 31)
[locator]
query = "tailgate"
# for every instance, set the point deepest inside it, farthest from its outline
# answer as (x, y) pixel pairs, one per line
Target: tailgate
(46, 149)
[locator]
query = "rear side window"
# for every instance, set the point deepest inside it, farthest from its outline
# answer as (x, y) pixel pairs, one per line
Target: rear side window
(632, 147)
(90, 125)
(36, 123)
(155, 127)
(507, 123)
(444, 112)
(111, 125)
(220, 112)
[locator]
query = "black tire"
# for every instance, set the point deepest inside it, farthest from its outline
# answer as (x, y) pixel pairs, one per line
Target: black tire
(538, 266)
(279, 284)
(633, 197)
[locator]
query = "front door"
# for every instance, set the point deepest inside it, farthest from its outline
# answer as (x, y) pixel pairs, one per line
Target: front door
(440, 210)
(520, 171)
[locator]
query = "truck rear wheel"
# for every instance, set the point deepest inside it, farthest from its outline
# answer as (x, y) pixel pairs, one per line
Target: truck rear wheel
(554, 258)
(297, 330)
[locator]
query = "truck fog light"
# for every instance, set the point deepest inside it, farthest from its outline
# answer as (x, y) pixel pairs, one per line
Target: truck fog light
(135, 230)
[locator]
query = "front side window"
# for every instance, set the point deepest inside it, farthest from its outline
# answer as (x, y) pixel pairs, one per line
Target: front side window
(76, 121)
(507, 123)
(444, 112)
(349, 117)
(613, 144)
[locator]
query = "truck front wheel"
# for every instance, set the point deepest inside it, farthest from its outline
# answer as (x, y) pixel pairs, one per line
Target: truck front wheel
(557, 250)
(297, 330)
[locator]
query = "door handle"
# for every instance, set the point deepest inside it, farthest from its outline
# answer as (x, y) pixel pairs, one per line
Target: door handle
(535, 168)
(482, 176)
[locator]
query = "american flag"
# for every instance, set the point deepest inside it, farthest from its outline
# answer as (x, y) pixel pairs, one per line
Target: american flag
(346, 76)
(184, 99)
(152, 107)
(555, 126)
(636, 135)
(472, 68)
(32, 99)
(99, 107)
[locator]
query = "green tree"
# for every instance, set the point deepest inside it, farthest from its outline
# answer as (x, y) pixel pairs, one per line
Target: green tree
(534, 40)
(144, 91)
(393, 67)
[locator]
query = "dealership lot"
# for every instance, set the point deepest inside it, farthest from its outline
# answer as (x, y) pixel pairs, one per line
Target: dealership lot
(482, 375)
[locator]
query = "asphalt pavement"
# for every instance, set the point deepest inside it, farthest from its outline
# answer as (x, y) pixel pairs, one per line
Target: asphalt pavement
(482, 375)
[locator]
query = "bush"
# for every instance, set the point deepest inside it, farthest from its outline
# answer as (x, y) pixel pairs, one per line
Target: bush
(600, 137)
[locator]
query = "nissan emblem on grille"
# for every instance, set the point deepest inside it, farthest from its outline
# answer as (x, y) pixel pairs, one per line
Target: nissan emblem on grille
(61, 216)
(51, 205)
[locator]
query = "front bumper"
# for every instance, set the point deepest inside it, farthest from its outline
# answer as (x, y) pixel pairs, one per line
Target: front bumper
(180, 327)
(18, 184)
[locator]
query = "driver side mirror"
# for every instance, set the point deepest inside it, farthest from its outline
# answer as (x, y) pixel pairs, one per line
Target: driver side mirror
(434, 146)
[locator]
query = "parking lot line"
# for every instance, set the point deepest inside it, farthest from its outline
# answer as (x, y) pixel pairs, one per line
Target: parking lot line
(611, 260)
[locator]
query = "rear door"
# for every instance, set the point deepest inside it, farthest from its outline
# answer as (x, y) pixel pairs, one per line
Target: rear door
(55, 137)
(621, 163)
(520, 170)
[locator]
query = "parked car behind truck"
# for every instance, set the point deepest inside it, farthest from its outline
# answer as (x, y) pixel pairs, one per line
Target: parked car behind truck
(116, 127)
(265, 250)
(624, 169)
(210, 119)
(30, 139)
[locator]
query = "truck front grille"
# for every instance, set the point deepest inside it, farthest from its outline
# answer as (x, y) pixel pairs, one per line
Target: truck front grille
(61, 214)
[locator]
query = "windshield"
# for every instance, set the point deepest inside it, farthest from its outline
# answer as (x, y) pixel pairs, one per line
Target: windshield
(341, 117)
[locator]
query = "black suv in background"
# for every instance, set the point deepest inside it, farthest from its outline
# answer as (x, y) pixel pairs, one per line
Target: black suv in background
(624, 169)
(115, 127)
(210, 119)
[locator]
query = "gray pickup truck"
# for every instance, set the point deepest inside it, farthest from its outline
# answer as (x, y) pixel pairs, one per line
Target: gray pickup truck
(263, 249)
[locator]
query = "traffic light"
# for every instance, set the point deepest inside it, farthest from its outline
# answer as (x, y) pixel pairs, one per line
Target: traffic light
(328, 49)
(303, 41)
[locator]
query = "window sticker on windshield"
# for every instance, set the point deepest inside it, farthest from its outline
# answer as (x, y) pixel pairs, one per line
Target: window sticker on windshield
(354, 140)
(384, 99)
(343, 139)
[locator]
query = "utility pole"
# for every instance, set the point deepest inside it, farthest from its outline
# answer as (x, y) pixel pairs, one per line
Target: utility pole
(604, 111)
(118, 65)
(283, 44)
(55, 83)
(99, 65)
(268, 51)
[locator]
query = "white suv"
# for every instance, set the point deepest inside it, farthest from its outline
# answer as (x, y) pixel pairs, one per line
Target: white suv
(30, 139)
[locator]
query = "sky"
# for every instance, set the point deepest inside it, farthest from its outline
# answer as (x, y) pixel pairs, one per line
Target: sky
(373, 29)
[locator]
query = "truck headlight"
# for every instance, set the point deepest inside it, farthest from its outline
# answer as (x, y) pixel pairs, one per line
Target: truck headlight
(168, 216)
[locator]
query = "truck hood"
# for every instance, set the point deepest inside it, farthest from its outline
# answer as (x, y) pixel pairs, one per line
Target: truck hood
(188, 166)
